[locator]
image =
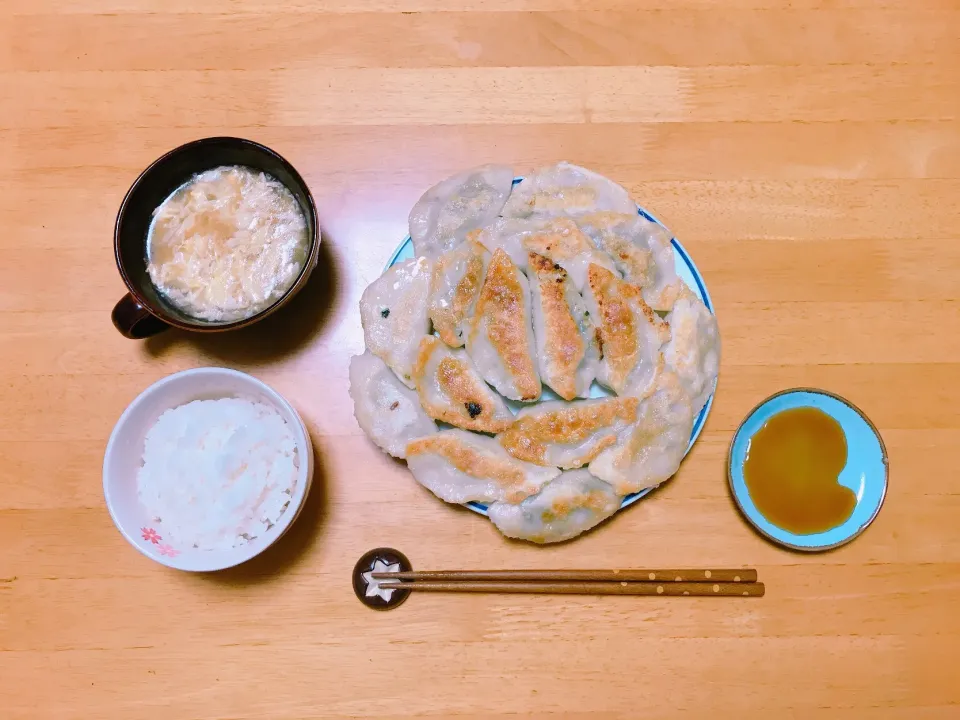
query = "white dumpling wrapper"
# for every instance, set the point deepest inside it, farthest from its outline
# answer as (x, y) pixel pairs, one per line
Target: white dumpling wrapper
(561, 241)
(451, 389)
(693, 351)
(393, 312)
(651, 450)
(565, 189)
(629, 333)
(641, 250)
(460, 467)
(567, 355)
(442, 217)
(500, 339)
(457, 278)
(567, 506)
(386, 410)
(568, 435)
(557, 238)
(507, 234)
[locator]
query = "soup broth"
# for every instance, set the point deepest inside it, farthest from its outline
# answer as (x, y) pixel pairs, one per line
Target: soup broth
(227, 244)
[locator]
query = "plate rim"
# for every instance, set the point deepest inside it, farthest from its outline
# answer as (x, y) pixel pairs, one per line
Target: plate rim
(735, 495)
(699, 422)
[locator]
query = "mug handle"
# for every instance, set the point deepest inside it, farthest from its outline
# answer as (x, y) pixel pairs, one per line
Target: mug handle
(134, 321)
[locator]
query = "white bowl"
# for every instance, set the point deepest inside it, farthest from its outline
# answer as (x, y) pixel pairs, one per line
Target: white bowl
(124, 454)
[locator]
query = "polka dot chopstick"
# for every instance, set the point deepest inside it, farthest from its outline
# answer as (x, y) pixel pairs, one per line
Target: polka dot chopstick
(696, 583)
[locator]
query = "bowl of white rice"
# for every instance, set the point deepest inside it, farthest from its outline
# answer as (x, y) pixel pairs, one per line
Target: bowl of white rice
(206, 469)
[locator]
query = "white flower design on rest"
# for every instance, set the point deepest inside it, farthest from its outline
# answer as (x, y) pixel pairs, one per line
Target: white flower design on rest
(373, 585)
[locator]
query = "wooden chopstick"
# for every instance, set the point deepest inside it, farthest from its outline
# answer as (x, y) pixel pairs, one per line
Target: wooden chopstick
(742, 575)
(670, 589)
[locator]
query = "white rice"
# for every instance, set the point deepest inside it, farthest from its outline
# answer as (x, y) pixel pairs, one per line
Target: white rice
(217, 473)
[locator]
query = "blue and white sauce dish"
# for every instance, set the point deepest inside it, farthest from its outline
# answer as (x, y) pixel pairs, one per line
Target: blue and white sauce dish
(865, 472)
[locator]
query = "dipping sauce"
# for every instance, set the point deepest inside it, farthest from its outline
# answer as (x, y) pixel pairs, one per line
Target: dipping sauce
(792, 470)
(227, 244)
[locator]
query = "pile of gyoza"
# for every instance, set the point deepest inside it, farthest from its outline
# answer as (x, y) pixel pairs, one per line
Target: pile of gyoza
(554, 283)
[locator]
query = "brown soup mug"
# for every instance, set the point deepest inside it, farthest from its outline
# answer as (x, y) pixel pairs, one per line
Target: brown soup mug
(143, 311)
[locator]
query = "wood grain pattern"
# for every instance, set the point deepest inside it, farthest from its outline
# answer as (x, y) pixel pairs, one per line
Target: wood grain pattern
(807, 153)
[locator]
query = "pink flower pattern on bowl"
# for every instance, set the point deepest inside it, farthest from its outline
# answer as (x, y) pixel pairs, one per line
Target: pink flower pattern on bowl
(123, 459)
(168, 550)
(150, 535)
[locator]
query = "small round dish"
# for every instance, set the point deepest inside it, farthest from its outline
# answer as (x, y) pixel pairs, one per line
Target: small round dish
(865, 472)
(124, 453)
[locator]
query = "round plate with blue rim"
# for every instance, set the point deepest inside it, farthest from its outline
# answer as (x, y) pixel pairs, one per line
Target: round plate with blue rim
(688, 273)
(865, 472)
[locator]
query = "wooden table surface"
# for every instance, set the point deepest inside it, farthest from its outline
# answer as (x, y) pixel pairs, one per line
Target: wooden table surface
(807, 153)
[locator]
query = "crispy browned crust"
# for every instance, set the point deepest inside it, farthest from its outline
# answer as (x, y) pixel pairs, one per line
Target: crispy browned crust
(545, 268)
(636, 262)
(563, 347)
(528, 437)
(560, 508)
(446, 319)
(473, 462)
(616, 330)
(501, 305)
(561, 239)
(442, 317)
(463, 388)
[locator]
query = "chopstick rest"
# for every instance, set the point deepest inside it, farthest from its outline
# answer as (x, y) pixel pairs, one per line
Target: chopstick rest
(368, 589)
(383, 578)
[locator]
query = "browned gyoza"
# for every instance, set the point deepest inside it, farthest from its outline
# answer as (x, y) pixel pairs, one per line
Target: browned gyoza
(566, 352)
(387, 411)
(451, 389)
(568, 435)
(630, 334)
(550, 290)
(461, 467)
(393, 311)
(458, 275)
(500, 339)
